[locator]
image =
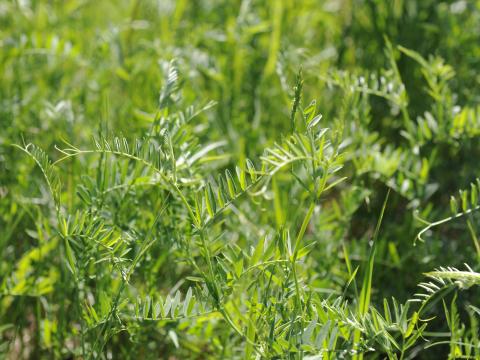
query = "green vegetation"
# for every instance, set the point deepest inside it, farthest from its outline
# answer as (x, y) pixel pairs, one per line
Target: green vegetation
(239, 179)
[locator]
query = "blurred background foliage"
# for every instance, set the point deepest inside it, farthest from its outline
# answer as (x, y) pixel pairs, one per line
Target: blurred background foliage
(397, 79)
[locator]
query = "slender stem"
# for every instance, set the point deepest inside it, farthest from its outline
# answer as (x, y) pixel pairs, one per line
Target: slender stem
(229, 320)
(293, 259)
(222, 309)
(209, 261)
(104, 328)
(303, 228)
(402, 354)
(266, 263)
(474, 236)
(297, 287)
(442, 221)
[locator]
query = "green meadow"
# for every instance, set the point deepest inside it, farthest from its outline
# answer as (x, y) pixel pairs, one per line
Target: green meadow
(239, 179)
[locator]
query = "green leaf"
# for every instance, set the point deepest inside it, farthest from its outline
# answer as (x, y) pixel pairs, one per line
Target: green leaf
(257, 254)
(315, 121)
(473, 195)
(464, 198)
(305, 250)
(241, 178)
(146, 307)
(186, 302)
(173, 335)
(238, 266)
(230, 184)
(414, 55)
(175, 303)
(210, 200)
(220, 193)
(411, 325)
(309, 111)
(70, 257)
(251, 170)
(453, 205)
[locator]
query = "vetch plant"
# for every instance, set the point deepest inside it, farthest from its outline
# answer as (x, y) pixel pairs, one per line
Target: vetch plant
(299, 214)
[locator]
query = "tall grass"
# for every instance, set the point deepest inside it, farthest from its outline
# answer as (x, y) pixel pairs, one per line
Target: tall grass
(246, 179)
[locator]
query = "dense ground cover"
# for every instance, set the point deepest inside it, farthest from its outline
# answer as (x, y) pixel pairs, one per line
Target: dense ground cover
(239, 179)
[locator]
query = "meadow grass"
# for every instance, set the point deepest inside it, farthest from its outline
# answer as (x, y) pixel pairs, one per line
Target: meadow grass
(239, 179)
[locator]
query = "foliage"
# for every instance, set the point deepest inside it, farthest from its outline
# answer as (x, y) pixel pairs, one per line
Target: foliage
(169, 189)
